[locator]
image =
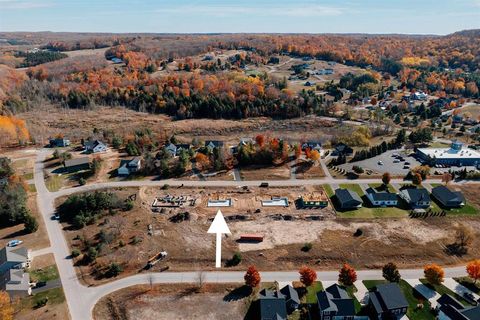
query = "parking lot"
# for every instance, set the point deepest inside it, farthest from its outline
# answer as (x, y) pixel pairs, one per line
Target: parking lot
(386, 162)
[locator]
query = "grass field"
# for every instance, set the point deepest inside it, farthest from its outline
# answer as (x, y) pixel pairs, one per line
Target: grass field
(54, 182)
(54, 296)
(379, 186)
(32, 188)
(351, 290)
(45, 274)
(28, 176)
(328, 189)
(353, 187)
(413, 299)
(312, 290)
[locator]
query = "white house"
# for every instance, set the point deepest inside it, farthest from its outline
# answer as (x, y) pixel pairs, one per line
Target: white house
(95, 146)
(382, 199)
(129, 167)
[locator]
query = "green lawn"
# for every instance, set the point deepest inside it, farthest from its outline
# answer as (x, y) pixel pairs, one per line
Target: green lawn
(351, 290)
(377, 212)
(46, 274)
(441, 289)
(414, 298)
(439, 145)
(371, 284)
(379, 186)
(434, 185)
(32, 188)
(54, 182)
(312, 290)
(469, 284)
(328, 189)
(55, 296)
(353, 187)
(28, 176)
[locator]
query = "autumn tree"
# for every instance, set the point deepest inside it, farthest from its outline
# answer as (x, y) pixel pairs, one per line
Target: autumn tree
(416, 179)
(347, 275)
(307, 276)
(252, 277)
(434, 273)
(386, 178)
(446, 178)
(473, 270)
(314, 155)
(463, 238)
(260, 140)
(202, 160)
(298, 151)
(390, 272)
(6, 308)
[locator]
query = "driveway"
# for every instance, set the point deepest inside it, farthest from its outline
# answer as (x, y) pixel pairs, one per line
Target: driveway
(429, 294)
(458, 288)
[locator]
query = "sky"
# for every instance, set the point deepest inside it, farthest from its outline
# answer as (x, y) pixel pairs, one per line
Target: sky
(249, 16)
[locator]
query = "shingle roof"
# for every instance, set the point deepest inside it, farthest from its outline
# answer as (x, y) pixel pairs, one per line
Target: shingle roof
(290, 293)
(445, 195)
(346, 195)
(390, 296)
(447, 299)
(77, 162)
(13, 254)
(417, 195)
(336, 299)
(381, 196)
(272, 305)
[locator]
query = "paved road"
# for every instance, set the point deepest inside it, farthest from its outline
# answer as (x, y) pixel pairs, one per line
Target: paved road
(82, 299)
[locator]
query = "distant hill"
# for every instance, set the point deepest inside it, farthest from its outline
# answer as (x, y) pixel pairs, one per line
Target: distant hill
(467, 33)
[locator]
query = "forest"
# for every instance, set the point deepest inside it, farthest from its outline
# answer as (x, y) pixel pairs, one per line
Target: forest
(436, 64)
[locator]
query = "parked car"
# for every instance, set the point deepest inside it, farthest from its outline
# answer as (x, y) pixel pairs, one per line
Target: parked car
(380, 163)
(14, 243)
(396, 161)
(40, 284)
(407, 163)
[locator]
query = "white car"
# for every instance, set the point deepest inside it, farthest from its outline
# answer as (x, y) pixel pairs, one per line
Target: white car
(380, 163)
(14, 243)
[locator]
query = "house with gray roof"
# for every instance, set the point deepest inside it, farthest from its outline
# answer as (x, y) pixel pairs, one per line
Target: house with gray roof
(291, 298)
(416, 197)
(95, 146)
(335, 303)
(14, 258)
(212, 144)
(59, 143)
(312, 145)
(381, 199)
(272, 305)
(449, 308)
(448, 198)
(16, 283)
(131, 166)
(348, 199)
(78, 164)
(387, 302)
(171, 149)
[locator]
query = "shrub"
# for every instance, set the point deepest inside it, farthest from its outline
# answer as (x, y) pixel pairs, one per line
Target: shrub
(165, 187)
(114, 269)
(41, 302)
(307, 247)
(75, 253)
(235, 260)
(30, 223)
(128, 205)
(82, 181)
(92, 254)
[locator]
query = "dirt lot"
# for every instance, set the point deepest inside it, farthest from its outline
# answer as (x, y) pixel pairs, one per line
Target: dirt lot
(163, 301)
(408, 242)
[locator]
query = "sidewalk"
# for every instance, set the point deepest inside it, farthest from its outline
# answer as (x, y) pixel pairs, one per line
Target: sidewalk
(362, 292)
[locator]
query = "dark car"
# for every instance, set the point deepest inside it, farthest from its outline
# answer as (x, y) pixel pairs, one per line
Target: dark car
(264, 185)
(40, 284)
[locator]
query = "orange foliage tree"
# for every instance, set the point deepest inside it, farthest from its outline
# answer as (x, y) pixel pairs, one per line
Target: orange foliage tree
(314, 155)
(307, 275)
(12, 128)
(252, 277)
(434, 273)
(6, 308)
(473, 270)
(347, 275)
(260, 140)
(202, 160)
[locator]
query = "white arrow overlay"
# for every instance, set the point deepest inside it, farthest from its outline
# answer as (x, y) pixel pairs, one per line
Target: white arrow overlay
(219, 226)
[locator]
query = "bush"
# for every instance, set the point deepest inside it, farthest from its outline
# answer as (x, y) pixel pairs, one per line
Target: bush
(358, 169)
(165, 187)
(82, 181)
(92, 254)
(75, 253)
(30, 223)
(121, 243)
(114, 269)
(235, 260)
(307, 247)
(128, 205)
(41, 302)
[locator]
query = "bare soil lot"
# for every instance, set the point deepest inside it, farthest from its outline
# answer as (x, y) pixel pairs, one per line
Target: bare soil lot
(163, 301)
(408, 242)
